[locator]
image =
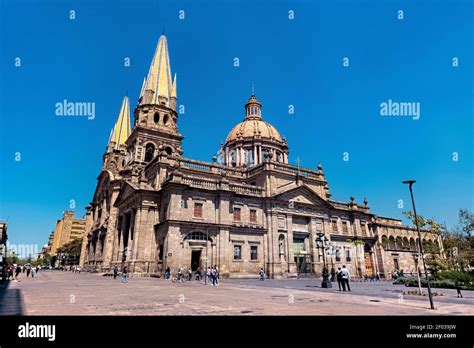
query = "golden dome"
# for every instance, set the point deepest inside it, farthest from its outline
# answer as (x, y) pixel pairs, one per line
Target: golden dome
(254, 127)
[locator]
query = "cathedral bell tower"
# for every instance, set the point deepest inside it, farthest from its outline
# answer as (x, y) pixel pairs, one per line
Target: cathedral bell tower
(155, 129)
(114, 156)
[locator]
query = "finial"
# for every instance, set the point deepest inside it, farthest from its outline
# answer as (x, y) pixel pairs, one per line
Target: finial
(320, 167)
(352, 199)
(214, 159)
(365, 201)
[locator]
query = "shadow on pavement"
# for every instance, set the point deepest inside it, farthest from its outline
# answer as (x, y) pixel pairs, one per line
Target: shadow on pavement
(11, 300)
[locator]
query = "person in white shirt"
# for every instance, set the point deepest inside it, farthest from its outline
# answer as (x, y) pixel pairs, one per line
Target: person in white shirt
(345, 278)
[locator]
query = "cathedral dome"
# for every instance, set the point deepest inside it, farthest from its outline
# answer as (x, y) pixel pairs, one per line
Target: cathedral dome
(253, 140)
(254, 127)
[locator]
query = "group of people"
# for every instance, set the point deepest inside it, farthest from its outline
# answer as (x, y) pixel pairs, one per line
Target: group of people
(343, 276)
(12, 272)
(211, 274)
(124, 278)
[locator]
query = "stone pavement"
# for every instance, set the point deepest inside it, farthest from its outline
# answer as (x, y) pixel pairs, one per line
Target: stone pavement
(66, 293)
(11, 301)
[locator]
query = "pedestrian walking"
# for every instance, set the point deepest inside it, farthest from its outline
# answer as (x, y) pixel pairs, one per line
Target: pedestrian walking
(217, 274)
(190, 274)
(261, 274)
(17, 271)
(167, 273)
(458, 289)
(125, 275)
(345, 278)
(198, 273)
(377, 277)
(115, 271)
(28, 271)
(208, 274)
(180, 274)
(339, 279)
(213, 276)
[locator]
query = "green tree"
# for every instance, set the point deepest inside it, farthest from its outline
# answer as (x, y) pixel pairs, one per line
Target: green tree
(459, 243)
(72, 250)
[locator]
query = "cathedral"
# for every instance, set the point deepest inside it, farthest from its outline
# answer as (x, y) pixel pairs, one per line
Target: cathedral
(246, 210)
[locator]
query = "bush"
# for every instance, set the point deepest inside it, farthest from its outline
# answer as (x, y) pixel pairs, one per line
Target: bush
(462, 277)
(437, 283)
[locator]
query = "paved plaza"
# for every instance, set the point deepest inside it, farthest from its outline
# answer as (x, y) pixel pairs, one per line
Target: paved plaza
(66, 293)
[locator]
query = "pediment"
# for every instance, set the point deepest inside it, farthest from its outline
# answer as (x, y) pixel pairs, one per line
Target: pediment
(125, 191)
(302, 195)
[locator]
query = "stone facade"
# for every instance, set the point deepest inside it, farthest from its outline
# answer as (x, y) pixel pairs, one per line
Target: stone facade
(154, 208)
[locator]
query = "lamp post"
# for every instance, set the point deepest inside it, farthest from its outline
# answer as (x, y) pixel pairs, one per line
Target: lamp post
(420, 244)
(320, 243)
(330, 249)
(417, 260)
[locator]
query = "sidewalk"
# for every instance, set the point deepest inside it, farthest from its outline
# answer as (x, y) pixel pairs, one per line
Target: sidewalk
(11, 300)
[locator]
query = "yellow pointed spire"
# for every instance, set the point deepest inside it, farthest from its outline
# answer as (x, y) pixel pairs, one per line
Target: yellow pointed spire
(159, 76)
(142, 92)
(121, 130)
(174, 92)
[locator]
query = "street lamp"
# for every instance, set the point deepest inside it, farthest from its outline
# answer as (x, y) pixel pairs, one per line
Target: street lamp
(417, 260)
(330, 249)
(320, 243)
(420, 244)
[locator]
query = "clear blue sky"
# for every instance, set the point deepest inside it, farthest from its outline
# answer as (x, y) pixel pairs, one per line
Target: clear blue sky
(296, 62)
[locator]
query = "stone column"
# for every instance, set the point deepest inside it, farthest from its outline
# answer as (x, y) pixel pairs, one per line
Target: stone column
(290, 252)
(137, 235)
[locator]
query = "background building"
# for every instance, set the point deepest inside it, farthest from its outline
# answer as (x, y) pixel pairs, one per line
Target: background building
(67, 229)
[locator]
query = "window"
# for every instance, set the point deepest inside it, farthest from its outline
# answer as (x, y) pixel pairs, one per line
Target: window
(364, 228)
(253, 252)
(344, 227)
(298, 246)
(253, 215)
(156, 117)
(348, 254)
(236, 214)
(334, 226)
(196, 236)
(237, 252)
(338, 255)
(149, 152)
(198, 210)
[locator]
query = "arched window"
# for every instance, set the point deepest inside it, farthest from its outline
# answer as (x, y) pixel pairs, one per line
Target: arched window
(406, 244)
(165, 120)
(412, 244)
(338, 255)
(156, 117)
(399, 243)
(385, 242)
(149, 152)
(169, 150)
(391, 243)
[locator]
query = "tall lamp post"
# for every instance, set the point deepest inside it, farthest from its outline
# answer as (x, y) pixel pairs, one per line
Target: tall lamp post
(320, 243)
(420, 244)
